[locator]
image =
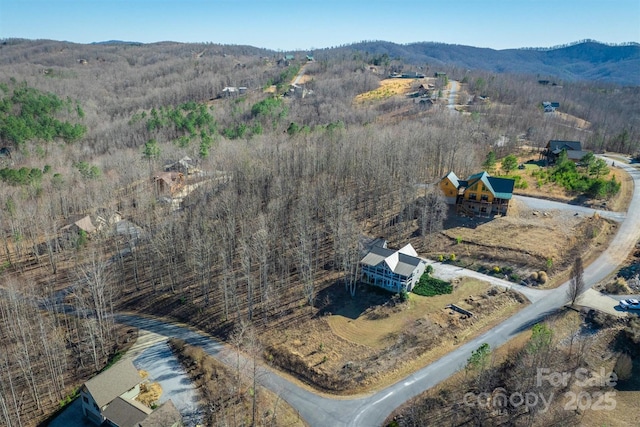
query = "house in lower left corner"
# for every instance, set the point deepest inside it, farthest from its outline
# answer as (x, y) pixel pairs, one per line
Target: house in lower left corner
(109, 396)
(110, 399)
(393, 270)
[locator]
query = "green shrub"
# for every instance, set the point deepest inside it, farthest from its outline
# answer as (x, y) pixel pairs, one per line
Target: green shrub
(430, 286)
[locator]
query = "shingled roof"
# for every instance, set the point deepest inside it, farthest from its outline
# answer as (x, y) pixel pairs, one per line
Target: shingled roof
(108, 385)
(126, 413)
(165, 415)
(402, 261)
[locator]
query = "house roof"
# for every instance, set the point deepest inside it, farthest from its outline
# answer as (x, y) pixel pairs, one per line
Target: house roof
(108, 385)
(501, 188)
(163, 416)
(83, 224)
(576, 154)
(186, 163)
(169, 178)
(126, 413)
(453, 178)
(554, 145)
(402, 261)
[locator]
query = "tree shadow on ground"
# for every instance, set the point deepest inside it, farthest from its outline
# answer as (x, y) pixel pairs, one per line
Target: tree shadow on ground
(336, 300)
(455, 220)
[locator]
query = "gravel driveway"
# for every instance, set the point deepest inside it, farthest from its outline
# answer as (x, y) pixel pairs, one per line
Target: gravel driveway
(163, 367)
(550, 205)
(151, 353)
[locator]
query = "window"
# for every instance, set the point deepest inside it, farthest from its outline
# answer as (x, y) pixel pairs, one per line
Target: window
(473, 196)
(485, 198)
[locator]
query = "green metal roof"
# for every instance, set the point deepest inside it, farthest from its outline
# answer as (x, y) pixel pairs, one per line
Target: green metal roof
(501, 188)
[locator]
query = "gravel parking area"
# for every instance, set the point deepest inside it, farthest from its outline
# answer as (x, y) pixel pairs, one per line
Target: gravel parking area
(163, 367)
(601, 302)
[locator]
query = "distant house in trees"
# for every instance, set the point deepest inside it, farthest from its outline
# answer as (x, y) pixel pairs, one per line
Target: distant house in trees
(550, 107)
(83, 224)
(479, 195)
(285, 61)
(555, 147)
(168, 183)
(393, 270)
(186, 166)
(109, 399)
(229, 92)
(425, 89)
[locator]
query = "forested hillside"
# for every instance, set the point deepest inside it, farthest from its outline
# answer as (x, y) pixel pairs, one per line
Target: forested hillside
(285, 188)
(582, 61)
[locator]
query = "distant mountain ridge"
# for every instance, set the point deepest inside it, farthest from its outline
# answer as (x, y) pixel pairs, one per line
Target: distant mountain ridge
(587, 60)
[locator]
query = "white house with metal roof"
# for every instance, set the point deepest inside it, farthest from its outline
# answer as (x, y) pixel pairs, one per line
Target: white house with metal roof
(393, 270)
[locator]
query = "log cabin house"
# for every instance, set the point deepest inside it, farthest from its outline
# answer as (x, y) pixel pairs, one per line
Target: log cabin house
(479, 195)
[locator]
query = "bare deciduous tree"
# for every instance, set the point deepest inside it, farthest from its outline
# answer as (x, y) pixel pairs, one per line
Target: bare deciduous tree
(576, 283)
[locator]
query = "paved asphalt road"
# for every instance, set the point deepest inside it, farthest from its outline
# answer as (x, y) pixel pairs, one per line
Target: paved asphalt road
(453, 90)
(371, 410)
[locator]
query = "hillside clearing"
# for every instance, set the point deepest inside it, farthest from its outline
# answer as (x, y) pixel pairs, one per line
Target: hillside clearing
(389, 88)
(372, 340)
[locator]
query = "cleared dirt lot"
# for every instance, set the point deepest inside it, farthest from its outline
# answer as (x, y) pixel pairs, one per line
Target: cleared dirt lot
(526, 240)
(361, 343)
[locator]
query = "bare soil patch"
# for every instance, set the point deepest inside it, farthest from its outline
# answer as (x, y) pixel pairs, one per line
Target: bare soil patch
(525, 240)
(363, 343)
(574, 121)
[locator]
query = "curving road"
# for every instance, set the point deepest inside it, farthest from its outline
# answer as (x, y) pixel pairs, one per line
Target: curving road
(372, 409)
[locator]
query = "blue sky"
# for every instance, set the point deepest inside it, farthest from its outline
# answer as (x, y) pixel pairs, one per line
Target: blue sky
(307, 24)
